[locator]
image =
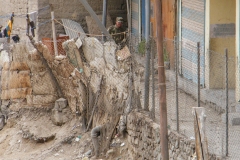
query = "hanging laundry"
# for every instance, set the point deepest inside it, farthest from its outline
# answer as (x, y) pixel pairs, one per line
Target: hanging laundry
(7, 31)
(31, 22)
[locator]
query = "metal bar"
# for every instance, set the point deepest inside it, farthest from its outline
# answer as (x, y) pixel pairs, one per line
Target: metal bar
(153, 80)
(198, 72)
(54, 34)
(147, 65)
(226, 54)
(161, 82)
(95, 17)
(128, 16)
(104, 16)
(176, 74)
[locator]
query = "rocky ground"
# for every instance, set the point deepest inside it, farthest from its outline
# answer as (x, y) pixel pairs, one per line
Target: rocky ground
(31, 135)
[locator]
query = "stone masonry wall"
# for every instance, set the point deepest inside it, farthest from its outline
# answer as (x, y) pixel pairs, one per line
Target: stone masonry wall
(144, 140)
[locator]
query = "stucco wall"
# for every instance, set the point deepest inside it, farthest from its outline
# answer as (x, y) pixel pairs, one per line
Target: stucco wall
(221, 12)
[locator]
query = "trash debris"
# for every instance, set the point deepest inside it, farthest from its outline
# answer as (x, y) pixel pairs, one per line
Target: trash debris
(192, 138)
(88, 153)
(77, 139)
(123, 144)
(56, 154)
(109, 152)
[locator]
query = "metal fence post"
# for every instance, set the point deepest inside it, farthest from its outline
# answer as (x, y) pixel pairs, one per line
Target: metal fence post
(176, 74)
(147, 65)
(153, 80)
(226, 58)
(54, 33)
(198, 72)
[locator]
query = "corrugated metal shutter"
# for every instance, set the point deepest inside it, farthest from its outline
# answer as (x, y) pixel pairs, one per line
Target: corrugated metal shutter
(135, 17)
(193, 31)
(73, 29)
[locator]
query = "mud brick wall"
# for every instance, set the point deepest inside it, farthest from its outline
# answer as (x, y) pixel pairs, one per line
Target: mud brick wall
(144, 140)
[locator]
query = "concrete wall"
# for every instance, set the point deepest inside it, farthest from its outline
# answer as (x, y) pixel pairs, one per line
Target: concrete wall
(71, 9)
(221, 12)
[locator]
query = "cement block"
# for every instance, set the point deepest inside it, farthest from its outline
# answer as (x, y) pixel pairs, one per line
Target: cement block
(60, 104)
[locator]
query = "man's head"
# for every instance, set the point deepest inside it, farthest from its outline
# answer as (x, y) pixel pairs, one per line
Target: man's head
(119, 21)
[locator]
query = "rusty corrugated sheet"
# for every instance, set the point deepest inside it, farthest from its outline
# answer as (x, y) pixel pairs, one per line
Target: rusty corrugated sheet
(73, 28)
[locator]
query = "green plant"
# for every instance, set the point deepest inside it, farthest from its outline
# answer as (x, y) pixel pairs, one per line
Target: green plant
(142, 47)
(165, 54)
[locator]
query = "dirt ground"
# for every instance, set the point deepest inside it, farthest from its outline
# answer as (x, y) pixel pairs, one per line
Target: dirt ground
(70, 142)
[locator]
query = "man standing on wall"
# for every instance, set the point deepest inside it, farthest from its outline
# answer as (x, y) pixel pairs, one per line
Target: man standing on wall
(118, 32)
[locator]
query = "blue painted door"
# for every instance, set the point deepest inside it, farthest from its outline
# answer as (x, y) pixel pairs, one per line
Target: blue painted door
(192, 31)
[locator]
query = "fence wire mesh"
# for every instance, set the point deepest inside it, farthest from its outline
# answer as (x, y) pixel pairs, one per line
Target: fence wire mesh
(181, 81)
(182, 94)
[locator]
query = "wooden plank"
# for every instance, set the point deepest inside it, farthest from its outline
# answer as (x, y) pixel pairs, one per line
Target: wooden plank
(199, 129)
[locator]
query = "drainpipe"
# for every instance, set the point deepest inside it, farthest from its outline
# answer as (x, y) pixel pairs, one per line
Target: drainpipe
(104, 16)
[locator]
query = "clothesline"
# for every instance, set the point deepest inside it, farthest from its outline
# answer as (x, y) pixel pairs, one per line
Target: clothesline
(24, 15)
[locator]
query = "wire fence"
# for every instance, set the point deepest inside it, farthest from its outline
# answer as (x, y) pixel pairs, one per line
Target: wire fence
(216, 72)
(102, 81)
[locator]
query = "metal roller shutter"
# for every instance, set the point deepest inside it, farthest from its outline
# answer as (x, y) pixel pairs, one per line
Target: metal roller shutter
(135, 17)
(193, 31)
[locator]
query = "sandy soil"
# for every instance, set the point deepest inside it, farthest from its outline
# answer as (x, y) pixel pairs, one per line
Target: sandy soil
(70, 141)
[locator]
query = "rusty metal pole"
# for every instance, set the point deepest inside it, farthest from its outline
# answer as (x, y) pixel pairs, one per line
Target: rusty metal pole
(227, 119)
(161, 82)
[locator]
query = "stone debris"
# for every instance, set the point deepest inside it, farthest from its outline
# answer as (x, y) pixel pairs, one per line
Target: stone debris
(58, 117)
(39, 134)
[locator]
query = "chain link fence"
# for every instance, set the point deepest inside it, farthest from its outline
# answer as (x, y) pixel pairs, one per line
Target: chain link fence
(217, 95)
(101, 86)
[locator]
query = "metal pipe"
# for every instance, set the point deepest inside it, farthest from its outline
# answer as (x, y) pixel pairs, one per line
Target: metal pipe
(128, 16)
(153, 80)
(104, 16)
(54, 34)
(198, 72)
(95, 17)
(161, 82)
(226, 54)
(176, 74)
(147, 65)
